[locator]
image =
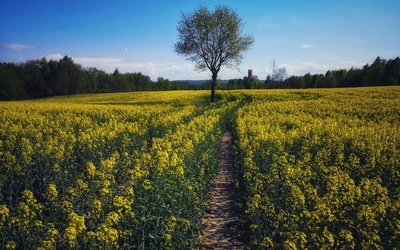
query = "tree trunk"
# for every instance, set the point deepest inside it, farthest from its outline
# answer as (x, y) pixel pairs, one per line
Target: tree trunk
(213, 84)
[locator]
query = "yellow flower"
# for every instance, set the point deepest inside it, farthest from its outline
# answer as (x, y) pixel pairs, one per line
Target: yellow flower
(92, 235)
(112, 218)
(52, 231)
(51, 192)
(71, 191)
(47, 244)
(66, 205)
(201, 172)
(56, 168)
(122, 203)
(185, 222)
(253, 226)
(167, 237)
(27, 194)
(146, 184)
(171, 223)
(174, 159)
(4, 213)
(70, 235)
(90, 168)
(268, 242)
(106, 234)
(179, 171)
(77, 221)
(25, 210)
(11, 245)
(104, 191)
(38, 223)
(129, 191)
(109, 164)
(111, 235)
(14, 221)
(81, 185)
(97, 207)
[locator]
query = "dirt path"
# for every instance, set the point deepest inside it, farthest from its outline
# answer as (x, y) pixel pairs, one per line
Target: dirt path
(222, 222)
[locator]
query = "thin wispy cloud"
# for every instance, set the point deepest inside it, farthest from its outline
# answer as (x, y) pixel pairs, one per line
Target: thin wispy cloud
(15, 46)
(269, 25)
(268, 22)
(306, 46)
(320, 68)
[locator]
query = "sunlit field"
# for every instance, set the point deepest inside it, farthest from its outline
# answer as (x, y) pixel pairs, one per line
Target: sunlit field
(318, 168)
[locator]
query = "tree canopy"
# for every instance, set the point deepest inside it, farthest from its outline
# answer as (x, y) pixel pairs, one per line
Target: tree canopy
(212, 39)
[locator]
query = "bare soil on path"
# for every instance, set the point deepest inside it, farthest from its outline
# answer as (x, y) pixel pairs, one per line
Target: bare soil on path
(222, 222)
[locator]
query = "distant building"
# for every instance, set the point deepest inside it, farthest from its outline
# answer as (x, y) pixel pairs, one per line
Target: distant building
(250, 73)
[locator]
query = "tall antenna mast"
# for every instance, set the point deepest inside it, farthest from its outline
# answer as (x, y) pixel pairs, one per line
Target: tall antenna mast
(273, 66)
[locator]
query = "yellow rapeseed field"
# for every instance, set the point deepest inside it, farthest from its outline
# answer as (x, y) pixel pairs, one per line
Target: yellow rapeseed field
(319, 168)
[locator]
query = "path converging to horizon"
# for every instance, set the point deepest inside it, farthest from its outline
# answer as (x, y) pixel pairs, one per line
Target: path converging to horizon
(221, 221)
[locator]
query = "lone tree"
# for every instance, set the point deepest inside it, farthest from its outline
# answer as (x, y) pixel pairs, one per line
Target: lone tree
(212, 39)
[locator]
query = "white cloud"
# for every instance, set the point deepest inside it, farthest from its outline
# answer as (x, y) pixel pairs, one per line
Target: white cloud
(320, 68)
(15, 46)
(170, 70)
(54, 57)
(184, 70)
(268, 25)
(98, 62)
(306, 46)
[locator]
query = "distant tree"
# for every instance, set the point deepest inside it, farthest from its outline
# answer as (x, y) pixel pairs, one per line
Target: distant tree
(268, 81)
(374, 74)
(316, 80)
(295, 82)
(11, 82)
(329, 80)
(69, 76)
(34, 79)
(392, 72)
(141, 82)
(212, 39)
(121, 82)
(340, 77)
(106, 82)
(307, 80)
(162, 84)
(234, 84)
(354, 78)
(280, 75)
(116, 72)
(250, 82)
(91, 83)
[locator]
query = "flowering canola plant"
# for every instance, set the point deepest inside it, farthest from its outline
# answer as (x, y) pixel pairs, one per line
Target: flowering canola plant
(318, 168)
(107, 171)
(321, 168)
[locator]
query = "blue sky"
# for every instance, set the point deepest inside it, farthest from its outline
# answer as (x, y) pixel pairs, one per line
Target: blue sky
(138, 36)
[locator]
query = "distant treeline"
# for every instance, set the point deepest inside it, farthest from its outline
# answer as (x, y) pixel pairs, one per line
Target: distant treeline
(41, 78)
(380, 73)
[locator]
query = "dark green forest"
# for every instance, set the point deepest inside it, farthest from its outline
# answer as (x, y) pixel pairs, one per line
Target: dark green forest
(41, 78)
(380, 73)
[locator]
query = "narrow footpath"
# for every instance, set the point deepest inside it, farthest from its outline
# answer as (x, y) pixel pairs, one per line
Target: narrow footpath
(222, 221)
